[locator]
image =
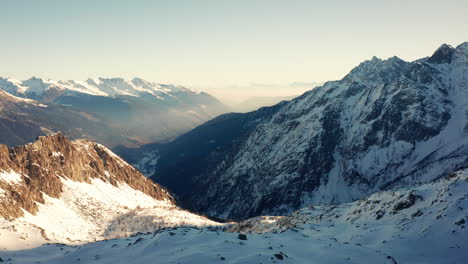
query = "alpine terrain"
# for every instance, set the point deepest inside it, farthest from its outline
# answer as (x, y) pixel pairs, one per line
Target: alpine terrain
(386, 124)
(372, 168)
(421, 224)
(23, 120)
(138, 111)
(60, 191)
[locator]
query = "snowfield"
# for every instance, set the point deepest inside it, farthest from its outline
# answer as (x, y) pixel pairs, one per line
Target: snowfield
(91, 212)
(422, 224)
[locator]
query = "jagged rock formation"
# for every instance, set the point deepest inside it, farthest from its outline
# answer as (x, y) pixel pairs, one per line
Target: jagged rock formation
(39, 167)
(137, 110)
(387, 123)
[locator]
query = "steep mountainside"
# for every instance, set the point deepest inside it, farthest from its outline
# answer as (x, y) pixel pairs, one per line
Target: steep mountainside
(23, 120)
(56, 190)
(421, 224)
(387, 123)
(146, 111)
(188, 155)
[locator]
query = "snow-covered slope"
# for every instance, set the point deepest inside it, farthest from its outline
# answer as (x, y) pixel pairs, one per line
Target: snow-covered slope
(146, 111)
(387, 123)
(60, 191)
(421, 224)
(109, 87)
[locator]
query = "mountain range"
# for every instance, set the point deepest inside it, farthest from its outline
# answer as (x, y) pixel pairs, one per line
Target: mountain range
(137, 111)
(68, 201)
(388, 123)
(372, 168)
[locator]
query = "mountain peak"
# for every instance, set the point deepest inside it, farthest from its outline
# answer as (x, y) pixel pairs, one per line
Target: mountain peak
(35, 85)
(376, 69)
(442, 55)
(463, 48)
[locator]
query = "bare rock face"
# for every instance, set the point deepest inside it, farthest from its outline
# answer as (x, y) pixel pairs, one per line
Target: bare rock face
(42, 164)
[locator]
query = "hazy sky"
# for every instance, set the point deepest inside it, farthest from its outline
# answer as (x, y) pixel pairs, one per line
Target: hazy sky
(219, 43)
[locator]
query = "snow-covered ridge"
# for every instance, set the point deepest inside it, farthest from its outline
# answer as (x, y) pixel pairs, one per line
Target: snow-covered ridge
(20, 99)
(444, 199)
(137, 110)
(109, 87)
(420, 224)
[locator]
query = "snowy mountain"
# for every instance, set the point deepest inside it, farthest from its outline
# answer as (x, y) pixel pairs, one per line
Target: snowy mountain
(23, 120)
(420, 224)
(146, 111)
(388, 123)
(60, 191)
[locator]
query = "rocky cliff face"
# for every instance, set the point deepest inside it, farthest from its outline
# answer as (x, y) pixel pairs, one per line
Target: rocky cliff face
(387, 123)
(31, 171)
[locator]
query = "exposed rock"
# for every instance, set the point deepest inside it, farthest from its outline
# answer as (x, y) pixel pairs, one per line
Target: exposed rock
(442, 55)
(460, 222)
(242, 237)
(41, 165)
(407, 203)
(279, 256)
(379, 214)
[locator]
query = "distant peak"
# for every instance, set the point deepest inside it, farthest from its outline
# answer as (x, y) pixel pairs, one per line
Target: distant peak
(445, 46)
(93, 81)
(442, 55)
(34, 79)
(378, 68)
(463, 48)
(139, 81)
(464, 44)
(113, 79)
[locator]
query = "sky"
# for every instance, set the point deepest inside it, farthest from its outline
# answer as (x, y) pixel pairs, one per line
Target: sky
(224, 47)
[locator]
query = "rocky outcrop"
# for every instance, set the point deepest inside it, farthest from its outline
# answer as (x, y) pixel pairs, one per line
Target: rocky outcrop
(29, 172)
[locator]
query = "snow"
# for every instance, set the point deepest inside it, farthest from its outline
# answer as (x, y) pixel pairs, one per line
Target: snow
(148, 163)
(428, 231)
(94, 211)
(360, 128)
(108, 87)
(10, 177)
(56, 154)
(201, 246)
